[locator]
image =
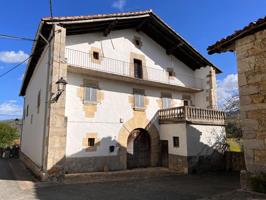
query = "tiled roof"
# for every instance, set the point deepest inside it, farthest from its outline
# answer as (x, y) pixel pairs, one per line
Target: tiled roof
(98, 16)
(253, 27)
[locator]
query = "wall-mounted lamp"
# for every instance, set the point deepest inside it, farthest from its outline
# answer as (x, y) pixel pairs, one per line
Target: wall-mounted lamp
(61, 86)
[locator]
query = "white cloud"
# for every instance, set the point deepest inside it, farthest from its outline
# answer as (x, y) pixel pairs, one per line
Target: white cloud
(10, 109)
(227, 88)
(119, 4)
(12, 56)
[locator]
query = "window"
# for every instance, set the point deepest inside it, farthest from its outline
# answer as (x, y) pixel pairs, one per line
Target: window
(90, 94)
(38, 101)
(176, 141)
(95, 55)
(186, 102)
(138, 98)
(91, 142)
(137, 42)
(31, 118)
(27, 111)
(170, 72)
(138, 73)
(166, 100)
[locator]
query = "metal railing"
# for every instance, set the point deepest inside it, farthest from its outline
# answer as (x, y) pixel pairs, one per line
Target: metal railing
(192, 114)
(85, 60)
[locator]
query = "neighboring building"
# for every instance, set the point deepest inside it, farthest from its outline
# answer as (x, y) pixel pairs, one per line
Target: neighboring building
(250, 47)
(138, 95)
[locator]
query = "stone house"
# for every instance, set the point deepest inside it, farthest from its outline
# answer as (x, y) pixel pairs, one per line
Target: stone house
(249, 44)
(137, 95)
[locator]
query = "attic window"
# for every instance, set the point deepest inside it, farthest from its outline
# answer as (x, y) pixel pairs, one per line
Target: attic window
(170, 72)
(137, 42)
(96, 55)
(91, 142)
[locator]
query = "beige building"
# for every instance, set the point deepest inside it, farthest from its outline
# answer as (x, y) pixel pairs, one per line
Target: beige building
(249, 44)
(137, 95)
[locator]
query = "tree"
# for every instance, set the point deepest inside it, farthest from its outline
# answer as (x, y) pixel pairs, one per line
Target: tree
(232, 109)
(8, 135)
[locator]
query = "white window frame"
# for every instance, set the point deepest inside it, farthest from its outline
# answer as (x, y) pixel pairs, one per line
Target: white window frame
(139, 99)
(91, 90)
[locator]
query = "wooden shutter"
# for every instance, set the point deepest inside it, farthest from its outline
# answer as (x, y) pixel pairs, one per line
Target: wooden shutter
(138, 98)
(90, 94)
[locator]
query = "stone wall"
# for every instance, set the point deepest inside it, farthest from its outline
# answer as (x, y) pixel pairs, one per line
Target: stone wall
(54, 154)
(251, 59)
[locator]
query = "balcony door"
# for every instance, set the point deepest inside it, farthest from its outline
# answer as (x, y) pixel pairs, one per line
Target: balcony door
(138, 71)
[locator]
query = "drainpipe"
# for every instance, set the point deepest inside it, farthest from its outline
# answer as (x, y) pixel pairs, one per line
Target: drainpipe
(47, 101)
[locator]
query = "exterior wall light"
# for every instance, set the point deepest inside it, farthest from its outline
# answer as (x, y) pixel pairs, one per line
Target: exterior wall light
(61, 86)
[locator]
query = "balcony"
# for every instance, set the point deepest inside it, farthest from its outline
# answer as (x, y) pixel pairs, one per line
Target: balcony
(192, 115)
(118, 68)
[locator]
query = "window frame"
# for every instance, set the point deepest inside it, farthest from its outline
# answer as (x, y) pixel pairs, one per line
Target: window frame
(141, 94)
(138, 68)
(168, 96)
(91, 142)
(176, 141)
(38, 101)
(91, 85)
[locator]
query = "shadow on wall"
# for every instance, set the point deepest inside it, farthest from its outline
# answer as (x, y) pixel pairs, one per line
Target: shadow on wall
(207, 155)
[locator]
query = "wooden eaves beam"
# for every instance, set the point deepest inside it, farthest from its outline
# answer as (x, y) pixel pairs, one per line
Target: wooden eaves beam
(141, 24)
(171, 50)
(110, 27)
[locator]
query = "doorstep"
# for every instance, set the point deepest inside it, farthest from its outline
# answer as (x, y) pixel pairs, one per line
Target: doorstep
(133, 174)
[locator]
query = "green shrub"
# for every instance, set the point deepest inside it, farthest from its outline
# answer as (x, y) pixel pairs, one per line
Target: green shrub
(8, 135)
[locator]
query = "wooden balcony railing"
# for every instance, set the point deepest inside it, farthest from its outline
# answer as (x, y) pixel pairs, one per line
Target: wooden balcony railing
(191, 114)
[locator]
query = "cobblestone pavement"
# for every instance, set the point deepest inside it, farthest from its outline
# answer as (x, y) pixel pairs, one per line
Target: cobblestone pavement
(17, 183)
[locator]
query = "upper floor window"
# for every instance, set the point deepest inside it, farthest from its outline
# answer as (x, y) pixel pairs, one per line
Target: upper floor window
(91, 142)
(38, 101)
(138, 71)
(90, 93)
(96, 55)
(166, 100)
(138, 98)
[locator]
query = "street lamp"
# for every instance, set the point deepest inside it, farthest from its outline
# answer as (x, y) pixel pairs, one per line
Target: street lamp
(61, 86)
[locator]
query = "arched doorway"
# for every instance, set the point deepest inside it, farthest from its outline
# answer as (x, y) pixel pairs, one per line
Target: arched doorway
(138, 149)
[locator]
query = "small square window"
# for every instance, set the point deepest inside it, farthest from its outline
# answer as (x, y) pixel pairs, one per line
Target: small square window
(91, 142)
(96, 55)
(137, 42)
(170, 72)
(176, 141)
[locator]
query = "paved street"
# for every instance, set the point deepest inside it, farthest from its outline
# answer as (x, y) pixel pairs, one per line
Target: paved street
(17, 183)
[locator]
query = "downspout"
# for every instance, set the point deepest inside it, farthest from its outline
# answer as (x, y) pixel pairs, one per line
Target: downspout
(47, 101)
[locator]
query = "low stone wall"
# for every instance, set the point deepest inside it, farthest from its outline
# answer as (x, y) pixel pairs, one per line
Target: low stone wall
(178, 163)
(93, 164)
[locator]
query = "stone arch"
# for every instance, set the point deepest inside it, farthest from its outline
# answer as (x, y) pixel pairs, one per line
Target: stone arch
(139, 121)
(138, 149)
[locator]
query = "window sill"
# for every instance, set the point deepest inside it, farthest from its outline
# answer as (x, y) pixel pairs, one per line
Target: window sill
(139, 109)
(90, 102)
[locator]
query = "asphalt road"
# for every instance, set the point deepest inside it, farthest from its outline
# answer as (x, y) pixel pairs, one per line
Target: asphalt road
(17, 183)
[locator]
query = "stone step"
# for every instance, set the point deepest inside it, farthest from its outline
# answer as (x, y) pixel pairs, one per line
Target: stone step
(133, 174)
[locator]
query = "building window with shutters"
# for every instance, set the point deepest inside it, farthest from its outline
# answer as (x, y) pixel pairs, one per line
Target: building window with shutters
(138, 71)
(90, 91)
(166, 100)
(138, 98)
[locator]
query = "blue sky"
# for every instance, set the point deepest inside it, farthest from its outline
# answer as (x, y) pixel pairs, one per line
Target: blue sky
(200, 22)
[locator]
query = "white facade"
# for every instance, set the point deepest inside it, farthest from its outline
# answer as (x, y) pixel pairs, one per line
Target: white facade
(33, 123)
(115, 105)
